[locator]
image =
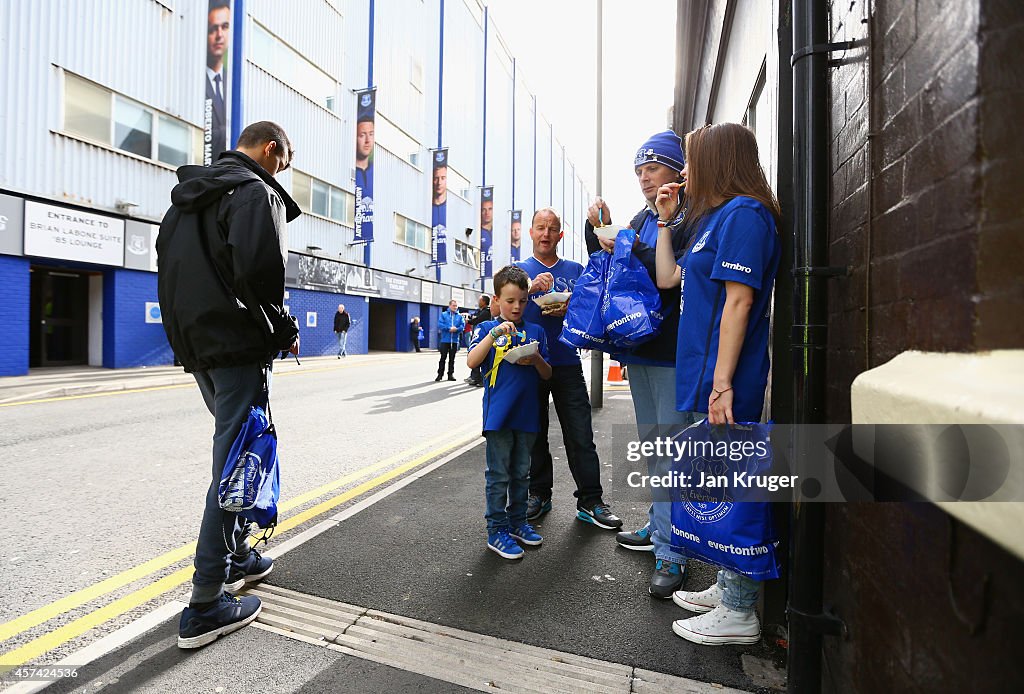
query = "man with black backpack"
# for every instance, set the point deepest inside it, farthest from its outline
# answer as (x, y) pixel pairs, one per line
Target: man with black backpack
(221, 264)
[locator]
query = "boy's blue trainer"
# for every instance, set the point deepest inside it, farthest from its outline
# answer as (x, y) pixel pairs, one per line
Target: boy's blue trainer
(251, 569)
(537, 507)
(600, 515)
(502, 543)
(527, 535)
(200, 627)
(638, 540)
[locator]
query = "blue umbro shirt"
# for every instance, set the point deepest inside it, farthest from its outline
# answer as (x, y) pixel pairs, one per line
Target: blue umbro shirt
(510, 391)
(736, 242)
(565, 272)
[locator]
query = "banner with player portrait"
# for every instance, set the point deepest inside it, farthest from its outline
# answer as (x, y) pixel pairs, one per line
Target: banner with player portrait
(486, 230)
(439, 207)
(366, 115)
(516, 234)
(217, 96)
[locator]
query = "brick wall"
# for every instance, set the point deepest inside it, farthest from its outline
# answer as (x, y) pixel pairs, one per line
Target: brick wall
(999, 304)
(931, 606)
(932, 232)
(321, 340)
(128, 340)
(926, 212)
(15, 286)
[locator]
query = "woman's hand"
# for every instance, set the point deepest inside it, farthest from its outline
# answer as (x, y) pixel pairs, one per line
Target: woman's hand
(720, 406)
(667, 200)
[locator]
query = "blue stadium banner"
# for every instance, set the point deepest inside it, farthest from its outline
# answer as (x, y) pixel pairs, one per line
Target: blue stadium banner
(439, 207)
(486, 230)
(516, 234)
(366, 115)
(217, 97)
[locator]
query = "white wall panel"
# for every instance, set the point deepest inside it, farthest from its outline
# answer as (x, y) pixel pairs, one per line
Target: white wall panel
(156, 56)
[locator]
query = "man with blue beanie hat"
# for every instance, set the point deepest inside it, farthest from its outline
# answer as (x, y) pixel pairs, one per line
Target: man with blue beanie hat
(659, 160)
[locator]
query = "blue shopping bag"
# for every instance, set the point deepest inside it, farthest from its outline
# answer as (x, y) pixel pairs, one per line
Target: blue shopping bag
(632, 305)
(583, 326)
(250, 484)
(731, 525)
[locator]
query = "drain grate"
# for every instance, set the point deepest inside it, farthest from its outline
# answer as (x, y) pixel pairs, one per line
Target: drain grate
(476, 661)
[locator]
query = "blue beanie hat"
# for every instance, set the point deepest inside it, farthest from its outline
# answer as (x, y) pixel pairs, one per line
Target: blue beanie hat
(664, 148)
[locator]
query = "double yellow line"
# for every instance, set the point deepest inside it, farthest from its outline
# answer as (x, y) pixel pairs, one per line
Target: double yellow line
(35, 648)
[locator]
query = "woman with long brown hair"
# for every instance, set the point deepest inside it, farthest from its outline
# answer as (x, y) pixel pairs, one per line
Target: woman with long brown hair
(722, 353)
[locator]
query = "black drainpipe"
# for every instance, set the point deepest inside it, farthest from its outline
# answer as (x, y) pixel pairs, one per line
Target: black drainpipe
(811, 179)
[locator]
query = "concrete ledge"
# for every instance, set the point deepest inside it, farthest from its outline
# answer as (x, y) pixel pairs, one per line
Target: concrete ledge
(931, 388)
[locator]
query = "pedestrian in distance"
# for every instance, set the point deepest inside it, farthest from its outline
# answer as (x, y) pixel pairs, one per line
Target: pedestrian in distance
(415, 333)
(342, 322)
(220, 282)
(483, 313)
(652, 364)
(450, 326)
(722, 351)
(566, 386)
(511, 415)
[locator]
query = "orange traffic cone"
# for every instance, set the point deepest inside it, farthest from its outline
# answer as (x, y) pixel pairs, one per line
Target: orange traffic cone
(614, 371)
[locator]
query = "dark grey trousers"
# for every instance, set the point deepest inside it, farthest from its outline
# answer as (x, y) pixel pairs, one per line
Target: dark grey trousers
(228, 393)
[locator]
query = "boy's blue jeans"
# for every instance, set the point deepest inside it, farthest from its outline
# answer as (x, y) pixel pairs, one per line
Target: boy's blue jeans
(508, 477)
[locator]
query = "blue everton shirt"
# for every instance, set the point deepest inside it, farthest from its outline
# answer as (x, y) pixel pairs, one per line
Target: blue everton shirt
(736, 242)
(565, 272)
(510, 391)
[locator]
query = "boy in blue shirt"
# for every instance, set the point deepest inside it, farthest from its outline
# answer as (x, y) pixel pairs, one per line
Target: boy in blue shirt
(511, 413)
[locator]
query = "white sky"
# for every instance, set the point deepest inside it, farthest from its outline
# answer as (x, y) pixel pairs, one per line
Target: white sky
(554, 45)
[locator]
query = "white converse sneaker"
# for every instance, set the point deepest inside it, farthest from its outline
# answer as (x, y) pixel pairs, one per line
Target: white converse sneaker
(704, 601)
(719, 626)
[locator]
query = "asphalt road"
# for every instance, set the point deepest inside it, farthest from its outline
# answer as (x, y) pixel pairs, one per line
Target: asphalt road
(93, 487)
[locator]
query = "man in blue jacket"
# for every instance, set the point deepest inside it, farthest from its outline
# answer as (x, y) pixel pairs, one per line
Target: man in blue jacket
(451, 324)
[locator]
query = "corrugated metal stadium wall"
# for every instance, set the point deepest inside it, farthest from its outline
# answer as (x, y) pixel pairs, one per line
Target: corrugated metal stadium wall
(149, 54)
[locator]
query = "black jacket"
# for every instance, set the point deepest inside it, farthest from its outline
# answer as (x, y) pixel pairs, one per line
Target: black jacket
(663, 346)
(221, 262)
(481, 315)
(341, 322)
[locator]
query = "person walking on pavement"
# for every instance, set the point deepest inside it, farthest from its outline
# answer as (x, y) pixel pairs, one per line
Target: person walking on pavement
(483, 313)
(450, 325)
(342, 321)
(722, 358)
(652, 365)
(220, 282)
(511, 417)
(415, 333)
(566, 386)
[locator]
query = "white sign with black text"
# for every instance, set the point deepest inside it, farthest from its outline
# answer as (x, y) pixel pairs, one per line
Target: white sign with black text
(67, 234)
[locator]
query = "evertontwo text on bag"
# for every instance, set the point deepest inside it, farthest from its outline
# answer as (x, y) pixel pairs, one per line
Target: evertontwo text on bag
(632, 305)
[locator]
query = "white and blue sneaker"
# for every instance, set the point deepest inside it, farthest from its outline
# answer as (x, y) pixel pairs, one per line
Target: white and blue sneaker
(527, 535)
(502, 544)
